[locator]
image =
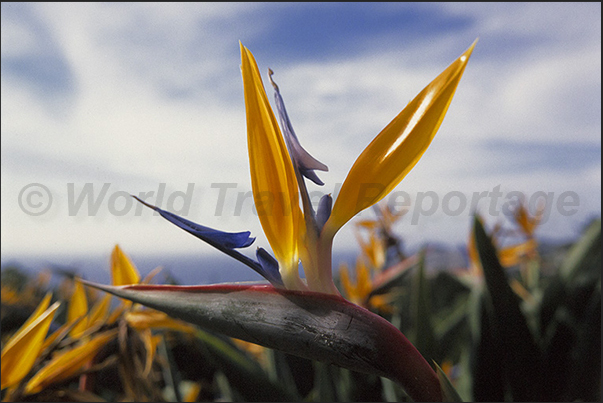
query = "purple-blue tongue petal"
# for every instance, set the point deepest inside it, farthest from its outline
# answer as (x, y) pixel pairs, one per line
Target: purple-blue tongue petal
(227, 242)
(230, 240)
(324, 211)
(270, 266)
(304, 161)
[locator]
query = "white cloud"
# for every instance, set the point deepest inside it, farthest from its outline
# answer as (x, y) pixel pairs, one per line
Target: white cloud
(156, 97)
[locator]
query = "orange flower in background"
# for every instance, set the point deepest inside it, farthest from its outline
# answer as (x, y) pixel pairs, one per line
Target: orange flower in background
(21, 350)
(359, 290)
(34, 360)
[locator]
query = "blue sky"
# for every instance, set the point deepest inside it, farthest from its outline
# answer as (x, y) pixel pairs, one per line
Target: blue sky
(136, 95)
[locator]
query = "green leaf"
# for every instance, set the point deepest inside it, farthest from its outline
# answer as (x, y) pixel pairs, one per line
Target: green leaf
(583, 261)
(171, 374)
(451, 329)
(424, 338)
(521, 357)
(392, 392)
(586, 372)
(291, 372)
(243, 373)
(448, 391)
(580, 269)
(558, 359)
(488, 373)
(326, 390)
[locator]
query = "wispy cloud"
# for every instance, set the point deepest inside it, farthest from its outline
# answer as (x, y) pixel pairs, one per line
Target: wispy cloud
(150, 93)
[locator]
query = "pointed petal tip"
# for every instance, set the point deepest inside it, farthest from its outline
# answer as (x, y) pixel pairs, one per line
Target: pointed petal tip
(102, 287)
(244, 55)
(466, 54)
(270, 73)
(230, 240)
(311, 175)
(145, 203)
(305, 162)
(272, 170)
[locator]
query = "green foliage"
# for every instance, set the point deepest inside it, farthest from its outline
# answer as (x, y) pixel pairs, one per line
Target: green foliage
(449, 392)
(561, 359)
(487, 340)
(243, 373)
(14, 277)
(517, 351)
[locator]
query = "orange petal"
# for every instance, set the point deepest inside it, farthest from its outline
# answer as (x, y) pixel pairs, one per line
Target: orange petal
(78, 307)
(150, 345)
(396, 150)
(348, 288)
(273, 179)
(39, 310)
(151, 319)
(512, 255)
(363, 279)
(123, 270)
(100, 311)
(66, 364)
(22, 349)
(60, 332)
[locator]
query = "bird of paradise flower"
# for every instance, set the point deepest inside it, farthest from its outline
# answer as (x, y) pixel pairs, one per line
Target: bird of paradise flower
(35, 359)
(309, 317)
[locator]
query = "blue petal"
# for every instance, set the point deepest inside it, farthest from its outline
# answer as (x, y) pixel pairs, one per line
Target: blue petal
(324, 211)
(304, 161)
(270, 266)
(230, 240)
(227, 242)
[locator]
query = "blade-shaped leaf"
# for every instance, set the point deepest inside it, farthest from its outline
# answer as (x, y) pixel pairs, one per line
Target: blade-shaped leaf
(583, 261)
(586, 376)
(399, 146)
(450, 394)
(308, 324)
(243, 372)
(424, 338)
(522, 357)
(581, 265)
(488, 373)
